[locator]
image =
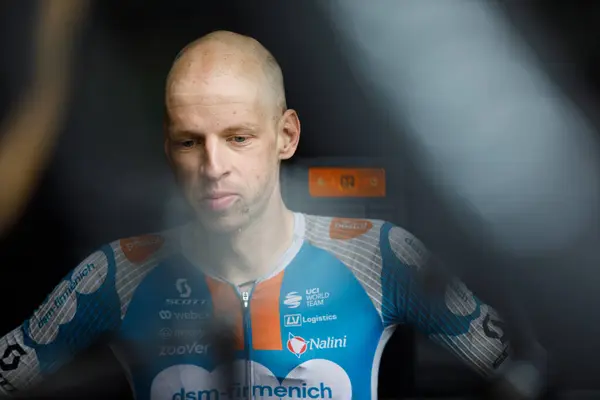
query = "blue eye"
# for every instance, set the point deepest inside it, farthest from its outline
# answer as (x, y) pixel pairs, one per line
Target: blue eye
(239, 139)
(187, 143)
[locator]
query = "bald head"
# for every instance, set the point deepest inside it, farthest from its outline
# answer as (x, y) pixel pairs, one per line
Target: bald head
(227, 54)
(227, 129)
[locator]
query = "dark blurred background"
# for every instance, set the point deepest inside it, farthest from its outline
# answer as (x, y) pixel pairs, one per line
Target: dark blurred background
(108, 175)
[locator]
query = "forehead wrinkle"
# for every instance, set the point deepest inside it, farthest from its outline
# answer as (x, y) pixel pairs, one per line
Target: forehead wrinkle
(180, 105)
(193, 100)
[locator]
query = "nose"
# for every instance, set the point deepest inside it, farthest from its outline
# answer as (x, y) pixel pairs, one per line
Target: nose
(214, 165)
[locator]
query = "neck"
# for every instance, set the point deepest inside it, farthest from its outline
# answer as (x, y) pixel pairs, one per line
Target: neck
(252, 251)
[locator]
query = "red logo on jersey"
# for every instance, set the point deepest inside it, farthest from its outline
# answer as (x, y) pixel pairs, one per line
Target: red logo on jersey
(348, 228)
(296, 345)
(138, 249)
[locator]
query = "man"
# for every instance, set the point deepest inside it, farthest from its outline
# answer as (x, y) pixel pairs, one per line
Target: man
(311, 300)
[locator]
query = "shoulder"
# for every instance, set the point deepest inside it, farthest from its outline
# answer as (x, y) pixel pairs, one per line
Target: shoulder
(342, 231)
(380, 236)
(127, 260)
(130, 260)
(122, 258)
(406, 247)
(143, 250)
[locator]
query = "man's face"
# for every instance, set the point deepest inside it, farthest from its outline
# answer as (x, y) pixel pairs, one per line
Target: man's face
(222, 142)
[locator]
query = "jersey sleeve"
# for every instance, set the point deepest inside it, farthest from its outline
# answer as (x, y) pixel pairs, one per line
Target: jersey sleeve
(81, 310)
(418, 293)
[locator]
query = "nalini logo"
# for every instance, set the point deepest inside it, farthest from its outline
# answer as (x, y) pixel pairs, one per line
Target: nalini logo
(292, 300)
(183, 288)
(297, 345)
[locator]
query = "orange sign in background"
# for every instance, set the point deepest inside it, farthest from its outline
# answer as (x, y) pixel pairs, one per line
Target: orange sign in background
(346, 182)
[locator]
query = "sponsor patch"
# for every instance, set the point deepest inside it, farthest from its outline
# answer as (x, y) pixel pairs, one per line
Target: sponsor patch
(61, 306)
(138, 249)
(348, 228)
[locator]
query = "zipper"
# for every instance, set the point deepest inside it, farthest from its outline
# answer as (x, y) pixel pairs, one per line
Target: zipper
(245, 300)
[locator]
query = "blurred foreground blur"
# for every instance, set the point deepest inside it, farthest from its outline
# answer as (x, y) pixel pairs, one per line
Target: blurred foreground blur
(491, 143)
(29, 132)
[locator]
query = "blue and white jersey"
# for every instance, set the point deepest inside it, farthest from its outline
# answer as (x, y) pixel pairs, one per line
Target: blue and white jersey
(315, 328)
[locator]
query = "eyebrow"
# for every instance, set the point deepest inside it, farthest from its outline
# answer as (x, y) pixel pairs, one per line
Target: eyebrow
(227, 131)
(240, 127)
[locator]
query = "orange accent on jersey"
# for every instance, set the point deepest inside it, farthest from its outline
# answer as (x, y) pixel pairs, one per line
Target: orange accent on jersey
(264, 314)
(227, 304)
(346, 182)
(139, 248)
(348, 228)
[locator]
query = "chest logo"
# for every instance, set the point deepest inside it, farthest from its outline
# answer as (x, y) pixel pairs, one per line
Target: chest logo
(348, 228)
(313, 379)
(292, 300)
(141, 248)
(183, 288)
(296, 345)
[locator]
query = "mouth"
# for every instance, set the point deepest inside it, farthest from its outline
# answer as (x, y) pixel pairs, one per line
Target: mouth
(218, 201)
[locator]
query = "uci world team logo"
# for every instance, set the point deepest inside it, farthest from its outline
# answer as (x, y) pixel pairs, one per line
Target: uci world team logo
(292, 300)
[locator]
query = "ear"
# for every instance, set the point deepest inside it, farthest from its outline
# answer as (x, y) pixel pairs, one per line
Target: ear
(289, 134)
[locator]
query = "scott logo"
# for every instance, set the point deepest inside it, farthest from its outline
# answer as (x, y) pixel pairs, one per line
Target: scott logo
(292, 300)
(183, 288)
(494, 329)
(11, 357)
(185, 291)
(185, 302)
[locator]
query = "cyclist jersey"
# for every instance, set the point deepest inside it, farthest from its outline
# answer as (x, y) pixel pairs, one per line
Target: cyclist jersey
(315, 328)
